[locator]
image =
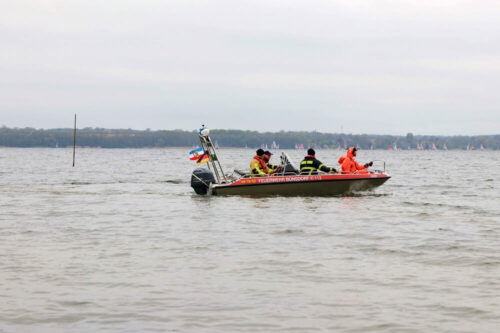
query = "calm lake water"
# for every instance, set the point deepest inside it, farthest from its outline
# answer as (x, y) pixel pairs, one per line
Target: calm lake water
(121, 243)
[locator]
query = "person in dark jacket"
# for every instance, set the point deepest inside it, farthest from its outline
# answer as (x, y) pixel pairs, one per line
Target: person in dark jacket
(310, 165)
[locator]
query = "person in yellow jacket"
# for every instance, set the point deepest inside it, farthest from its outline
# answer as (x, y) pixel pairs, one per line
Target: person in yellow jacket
(258, 168)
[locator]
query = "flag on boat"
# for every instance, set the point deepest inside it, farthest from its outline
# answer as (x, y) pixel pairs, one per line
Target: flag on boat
(195, 154)
(203, 159)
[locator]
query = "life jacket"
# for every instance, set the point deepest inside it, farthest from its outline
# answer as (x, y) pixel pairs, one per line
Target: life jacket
(258, 167)
(349, 163)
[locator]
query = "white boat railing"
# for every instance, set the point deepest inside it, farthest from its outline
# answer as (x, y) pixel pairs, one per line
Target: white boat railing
(285, 160)
(379, 171)
(319, 172)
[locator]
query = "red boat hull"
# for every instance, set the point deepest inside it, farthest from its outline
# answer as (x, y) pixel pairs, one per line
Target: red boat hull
(315, 185)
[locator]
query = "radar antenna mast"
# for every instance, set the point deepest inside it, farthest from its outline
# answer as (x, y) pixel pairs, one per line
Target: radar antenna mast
(208, 148)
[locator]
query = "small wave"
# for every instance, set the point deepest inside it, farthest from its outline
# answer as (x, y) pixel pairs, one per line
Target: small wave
(488, 263)
(421, 214)
(174, 181)
(365, 194)
(289, 232)
(77, 183)
(460, 311)
(97, 182)
(387, 251)
(74, 303)
(440, 186)
(437, 205)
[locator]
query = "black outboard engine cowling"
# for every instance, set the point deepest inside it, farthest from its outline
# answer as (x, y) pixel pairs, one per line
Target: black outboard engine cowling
(201, 179)
(289, 168)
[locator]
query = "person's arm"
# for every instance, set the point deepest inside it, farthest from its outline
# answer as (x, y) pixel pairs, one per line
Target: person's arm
(359, 166)
(271, 168)
(362, 167)
(260, 172)
(274, 168)
(320, 166)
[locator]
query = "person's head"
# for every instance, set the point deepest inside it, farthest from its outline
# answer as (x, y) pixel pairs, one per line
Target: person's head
(260, 152)
(352, 151)
(267, 155)
(311, 152)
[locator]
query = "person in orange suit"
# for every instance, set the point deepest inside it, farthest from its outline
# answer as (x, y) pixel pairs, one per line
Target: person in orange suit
(350, 165)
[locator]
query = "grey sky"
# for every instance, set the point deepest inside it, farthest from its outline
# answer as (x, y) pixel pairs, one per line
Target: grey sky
(427, 67)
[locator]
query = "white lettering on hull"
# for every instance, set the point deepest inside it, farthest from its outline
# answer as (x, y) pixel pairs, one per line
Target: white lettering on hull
(288, 179)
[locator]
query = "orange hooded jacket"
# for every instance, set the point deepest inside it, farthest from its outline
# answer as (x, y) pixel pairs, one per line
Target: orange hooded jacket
(349, 163)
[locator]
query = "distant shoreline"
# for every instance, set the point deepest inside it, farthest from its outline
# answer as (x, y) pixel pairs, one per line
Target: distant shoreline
(128, 138)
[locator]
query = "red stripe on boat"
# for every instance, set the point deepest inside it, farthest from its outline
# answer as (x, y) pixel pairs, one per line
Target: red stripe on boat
(303, 178)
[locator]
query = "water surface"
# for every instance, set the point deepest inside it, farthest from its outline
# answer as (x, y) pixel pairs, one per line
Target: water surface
(121, 243)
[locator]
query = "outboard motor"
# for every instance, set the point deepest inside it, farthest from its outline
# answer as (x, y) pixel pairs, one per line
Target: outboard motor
(289, 168)
(201, 179)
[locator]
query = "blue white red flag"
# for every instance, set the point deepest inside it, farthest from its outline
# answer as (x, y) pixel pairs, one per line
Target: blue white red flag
(195, 154)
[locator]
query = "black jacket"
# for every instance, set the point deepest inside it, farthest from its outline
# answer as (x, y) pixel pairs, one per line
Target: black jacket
(310, 165)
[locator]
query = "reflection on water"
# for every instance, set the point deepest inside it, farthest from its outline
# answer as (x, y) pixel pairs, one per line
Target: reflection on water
(122, 243)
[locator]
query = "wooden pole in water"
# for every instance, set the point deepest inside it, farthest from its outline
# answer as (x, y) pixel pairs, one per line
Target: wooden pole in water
(74, 142)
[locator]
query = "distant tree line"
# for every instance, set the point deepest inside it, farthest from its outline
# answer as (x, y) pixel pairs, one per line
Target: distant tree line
(128, 138)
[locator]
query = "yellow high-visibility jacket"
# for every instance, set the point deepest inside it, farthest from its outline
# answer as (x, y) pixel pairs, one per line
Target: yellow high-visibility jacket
(271, 168)
(258, 168)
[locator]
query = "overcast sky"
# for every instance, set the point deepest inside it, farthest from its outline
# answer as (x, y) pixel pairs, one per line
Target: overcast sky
(423, 66)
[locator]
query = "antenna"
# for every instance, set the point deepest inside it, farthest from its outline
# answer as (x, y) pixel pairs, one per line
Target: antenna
(208, 147)
(74, 142)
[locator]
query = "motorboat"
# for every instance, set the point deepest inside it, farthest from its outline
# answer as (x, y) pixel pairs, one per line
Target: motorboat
(287, 182)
